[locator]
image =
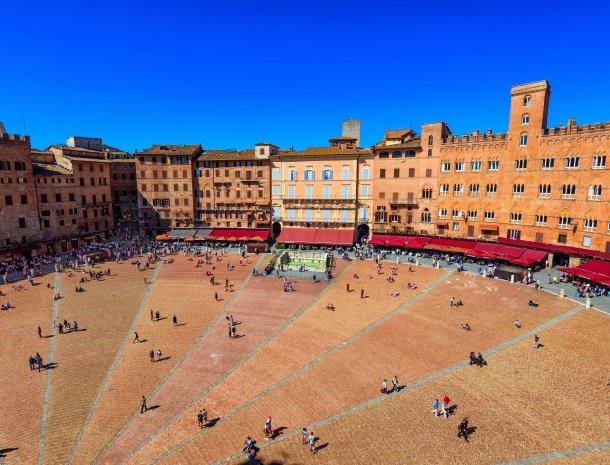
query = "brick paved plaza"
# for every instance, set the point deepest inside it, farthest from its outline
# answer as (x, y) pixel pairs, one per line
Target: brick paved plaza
(302, 364)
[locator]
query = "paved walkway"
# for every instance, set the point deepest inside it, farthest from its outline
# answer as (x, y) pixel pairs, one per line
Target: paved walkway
(49, 374)
(349, 375)
(179, 289)
(261, 309)
(512, 397)
(314, 337)
(104, 313)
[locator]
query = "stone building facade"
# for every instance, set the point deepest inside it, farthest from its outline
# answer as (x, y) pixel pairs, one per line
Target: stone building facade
(532, 183)
(318, 187)
(19, 222)
(404, 179)
(232, 189)
(165, 187)
(74, 196)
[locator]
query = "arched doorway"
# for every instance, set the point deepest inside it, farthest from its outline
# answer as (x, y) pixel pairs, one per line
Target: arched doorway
(363, 232)
(276, 230)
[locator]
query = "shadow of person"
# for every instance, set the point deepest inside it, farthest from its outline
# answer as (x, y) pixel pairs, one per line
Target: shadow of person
(320, 447)
(6, 450)
(278, 431)
(163, 358)
(211, 423)
(50, 366)
(152, 407)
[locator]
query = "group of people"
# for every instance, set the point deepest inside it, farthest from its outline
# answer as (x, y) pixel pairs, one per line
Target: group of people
(231, 324)
(66, 325)
(384, 386)
(477, 360)
(36, 361)
(444, 407)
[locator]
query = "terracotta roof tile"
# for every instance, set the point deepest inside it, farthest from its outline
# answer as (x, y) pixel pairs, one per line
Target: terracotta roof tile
(171, 150)
(324, 151)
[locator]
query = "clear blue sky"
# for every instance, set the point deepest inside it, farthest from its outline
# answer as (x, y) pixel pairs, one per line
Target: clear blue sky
(230, 74)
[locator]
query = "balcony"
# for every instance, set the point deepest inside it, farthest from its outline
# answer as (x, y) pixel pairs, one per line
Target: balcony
(409, 202)
(332, 200)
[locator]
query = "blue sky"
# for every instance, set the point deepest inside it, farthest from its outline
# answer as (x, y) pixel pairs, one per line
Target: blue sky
(230, 74)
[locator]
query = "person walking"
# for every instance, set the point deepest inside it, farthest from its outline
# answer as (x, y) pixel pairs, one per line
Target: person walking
(463, 429)
(268, 433)
(395, 383)
(536, 341)
(151, 354)
(157, 315)
(233, 332)
(200, 419)
(445, 406)
(384, 387)
(39, 332)
(362, 293)
(216, 296)
(304, 436)
(312, 443)
(175, 320)
(435, 407)
(136, 338)
(143, 407)
(159, 355)
(152, 315)
(60, 327)
(204, 412)
(32, 363)
(347, 287)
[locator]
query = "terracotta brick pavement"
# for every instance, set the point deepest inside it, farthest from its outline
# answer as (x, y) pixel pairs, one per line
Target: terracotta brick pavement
(261, 307)
(311, 335)
(526, 402)
(181, 289)
(423, 339)
(104, 313)
(21, 390)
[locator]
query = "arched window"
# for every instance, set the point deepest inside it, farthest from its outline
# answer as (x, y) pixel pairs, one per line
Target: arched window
(595, 191)
(309, 175)
(430, 140)
(384, 155)
(525, 119)
(523, 140)
(429, 152)
(409, 154)
(396, 154)
(527, 101)
(568, 190)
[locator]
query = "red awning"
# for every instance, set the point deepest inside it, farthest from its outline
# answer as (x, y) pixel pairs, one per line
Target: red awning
(343, 237)
(396, 241)
(529, 257)
(260, 235)
(484, 250)
(319, 236)
(445, 244)
(297, 236)
(377, 240)
(416, 242)
(589, 275)
(596, 266)
(556, 248)
(231, 234)
(507, 252)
